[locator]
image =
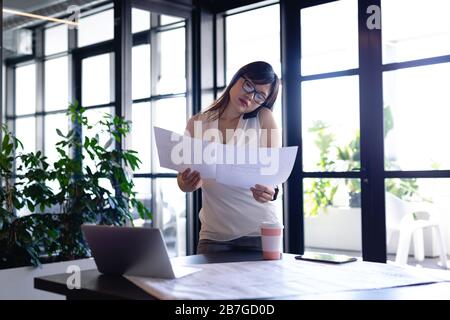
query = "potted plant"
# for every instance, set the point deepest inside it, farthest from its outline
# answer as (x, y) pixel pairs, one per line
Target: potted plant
(21, 238)
(321, 192)
(351, 155)
(102, 194)
(52, 232)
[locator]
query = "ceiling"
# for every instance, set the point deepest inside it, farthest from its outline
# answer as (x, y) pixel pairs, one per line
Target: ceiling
(49, 8)
(28, 5)
(54, 8)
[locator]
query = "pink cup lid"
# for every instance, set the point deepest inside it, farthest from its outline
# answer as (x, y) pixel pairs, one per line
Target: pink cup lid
(271, 225)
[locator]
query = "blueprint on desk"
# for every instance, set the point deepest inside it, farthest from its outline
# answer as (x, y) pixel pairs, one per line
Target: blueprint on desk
(284, 278)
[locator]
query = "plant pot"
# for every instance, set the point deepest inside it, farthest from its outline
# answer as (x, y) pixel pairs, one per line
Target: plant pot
(43, 238)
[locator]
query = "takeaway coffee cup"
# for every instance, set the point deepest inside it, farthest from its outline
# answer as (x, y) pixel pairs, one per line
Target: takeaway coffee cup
(271, 238)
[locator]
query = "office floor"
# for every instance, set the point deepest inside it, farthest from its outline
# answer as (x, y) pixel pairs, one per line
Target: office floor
(431, 263)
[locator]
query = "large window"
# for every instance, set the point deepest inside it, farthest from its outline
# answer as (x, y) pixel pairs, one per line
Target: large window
(254, 35)
(416, 102)
(159, 99)
(259, 40)
(344, 151)
(330, 126)
(64, 63)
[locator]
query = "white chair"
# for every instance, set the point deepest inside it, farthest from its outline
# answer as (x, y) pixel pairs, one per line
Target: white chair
(409, 219)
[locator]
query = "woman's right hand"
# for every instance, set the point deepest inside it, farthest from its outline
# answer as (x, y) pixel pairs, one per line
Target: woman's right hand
(189, 181)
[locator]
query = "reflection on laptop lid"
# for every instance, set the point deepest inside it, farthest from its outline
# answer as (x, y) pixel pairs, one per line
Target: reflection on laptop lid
(131, 251)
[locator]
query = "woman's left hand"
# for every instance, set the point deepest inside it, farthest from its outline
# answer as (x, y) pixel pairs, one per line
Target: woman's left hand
(262, 193)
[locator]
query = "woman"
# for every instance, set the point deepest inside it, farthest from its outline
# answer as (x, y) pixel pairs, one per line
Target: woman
(230, 216)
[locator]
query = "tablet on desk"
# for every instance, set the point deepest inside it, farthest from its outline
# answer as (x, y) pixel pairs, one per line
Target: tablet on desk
(325, 257)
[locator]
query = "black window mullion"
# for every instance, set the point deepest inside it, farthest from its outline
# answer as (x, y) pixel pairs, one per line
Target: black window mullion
(293, 188)
(372, 141)
(76, 74)
(40, 88)
(328, 75)
(161, 97)
(154, 76)
(2, 107)
(155, 175)
(193, 98)
(416, 63)
(333, 174)
(197, 40)
(94, 49)
(418, 174)
(142, 37)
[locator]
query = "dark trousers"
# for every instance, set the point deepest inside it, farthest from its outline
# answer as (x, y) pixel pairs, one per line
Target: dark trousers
(243, 243)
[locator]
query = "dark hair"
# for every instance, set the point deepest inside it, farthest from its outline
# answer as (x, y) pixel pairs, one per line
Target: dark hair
(259, 72)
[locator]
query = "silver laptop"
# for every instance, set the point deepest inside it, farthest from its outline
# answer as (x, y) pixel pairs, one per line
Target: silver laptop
(131, 251)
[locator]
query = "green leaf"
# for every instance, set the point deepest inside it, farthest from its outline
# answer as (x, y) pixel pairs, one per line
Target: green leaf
(30, 205)
(5, 141)
(60, 133)
(108, 143)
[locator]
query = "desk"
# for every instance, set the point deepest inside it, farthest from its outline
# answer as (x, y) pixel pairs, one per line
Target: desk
(97, 286)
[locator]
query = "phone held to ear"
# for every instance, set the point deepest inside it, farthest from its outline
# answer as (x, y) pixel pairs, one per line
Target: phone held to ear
(325, 257)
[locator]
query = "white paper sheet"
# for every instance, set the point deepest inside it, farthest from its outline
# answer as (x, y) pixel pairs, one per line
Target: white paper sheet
(228, 164)
(282, 279)
(169, 149)
(274, 168)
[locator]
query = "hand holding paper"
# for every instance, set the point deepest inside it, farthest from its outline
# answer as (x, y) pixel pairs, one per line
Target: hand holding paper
(229, 164)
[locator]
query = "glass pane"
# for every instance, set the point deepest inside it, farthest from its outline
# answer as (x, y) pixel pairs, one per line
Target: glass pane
(332, 215)
(207, 99)
(143, 188)
(25, 131)
(331, 124)
(96, 28)
(52, 122)
(408, 203)
(277, 112)
(25, 86)
(412, 30)
(141, 135)
(96, 80)
(170, 215)
(140, 20)
(259, 41)
(416, 118)
(56, 84)
(169, 114)
(56, 39)
(164, 19)
(141, 71)
(172, 76)
(329, 37)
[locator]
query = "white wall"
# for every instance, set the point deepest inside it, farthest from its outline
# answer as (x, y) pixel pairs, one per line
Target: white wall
(18, 283)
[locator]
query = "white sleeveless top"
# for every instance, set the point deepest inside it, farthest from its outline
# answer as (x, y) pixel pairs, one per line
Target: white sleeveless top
(230, 212)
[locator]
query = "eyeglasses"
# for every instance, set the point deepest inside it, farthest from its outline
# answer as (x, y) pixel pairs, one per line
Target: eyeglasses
(248, 87)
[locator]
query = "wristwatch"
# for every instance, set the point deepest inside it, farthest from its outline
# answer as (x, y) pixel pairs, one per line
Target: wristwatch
(275, 194)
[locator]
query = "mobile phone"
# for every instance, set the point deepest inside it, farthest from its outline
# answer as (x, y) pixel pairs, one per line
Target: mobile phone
(325, 257)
